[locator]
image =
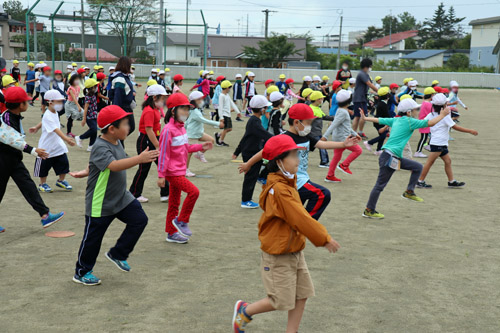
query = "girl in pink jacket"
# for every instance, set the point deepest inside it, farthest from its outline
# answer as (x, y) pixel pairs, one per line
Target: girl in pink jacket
(425, 109)
(174, 149)
(205, 87)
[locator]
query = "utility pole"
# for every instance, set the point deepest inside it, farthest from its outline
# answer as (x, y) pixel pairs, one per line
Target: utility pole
(266, 12)
(238, 27)
(247, 25)
(35, 40)
(83, 33)
(187, 27)
(162, 36)
(390, 29)
(340, 43)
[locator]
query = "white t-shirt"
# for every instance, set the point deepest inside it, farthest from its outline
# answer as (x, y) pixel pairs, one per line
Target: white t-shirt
(440, 133)
(49, 140)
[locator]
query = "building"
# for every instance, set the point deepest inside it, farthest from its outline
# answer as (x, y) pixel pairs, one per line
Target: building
(391, 42)
(389, 55)
(223, 51)
(485, 36)
(333, 50)
(432, 58)
(176, 48)
(10, 48)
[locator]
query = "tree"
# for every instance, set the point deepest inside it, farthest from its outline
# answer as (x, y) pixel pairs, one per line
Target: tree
(442, 29)
(407, 22)
(143, 57)
(458, 61)
(312, 53)
(463, 43)
(16, 11)
(372, 33)
(44, 44)
(270, 52)
(390, 24)
(410, 44)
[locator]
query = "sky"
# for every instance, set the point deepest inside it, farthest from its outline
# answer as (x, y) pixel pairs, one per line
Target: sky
(319, 18)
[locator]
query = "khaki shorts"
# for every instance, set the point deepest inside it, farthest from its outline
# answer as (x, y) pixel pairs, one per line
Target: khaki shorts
(286, 279)
(71, 110)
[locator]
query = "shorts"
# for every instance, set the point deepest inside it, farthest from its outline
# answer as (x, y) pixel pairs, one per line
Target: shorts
(44, 102)
(455, 114)
(440, 149)
(60, 164)
(228, 123)
(30, 88)
(249, 98)
(357, 106)
(286, 279)
(71, 110)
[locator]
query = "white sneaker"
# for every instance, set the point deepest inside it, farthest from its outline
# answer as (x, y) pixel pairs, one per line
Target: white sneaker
(89, 148)
(164, 199)
(419, 154)
(142, 199)
(427, 147)
(368, 147)
(201, 156)
(78, 141)
(189, 173)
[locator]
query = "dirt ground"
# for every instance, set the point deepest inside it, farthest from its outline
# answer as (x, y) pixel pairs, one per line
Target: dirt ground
(429, 267)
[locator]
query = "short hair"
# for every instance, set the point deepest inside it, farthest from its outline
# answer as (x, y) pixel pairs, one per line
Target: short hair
(73, 78)
(115, 124)
(272, 166)
(290, 121)
(427, 96)
(12, 106)
(366, 62)
(277, 103)
(345, 103)
(256, 110)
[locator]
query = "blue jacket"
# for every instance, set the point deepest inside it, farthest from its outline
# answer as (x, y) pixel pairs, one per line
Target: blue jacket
(122, 90)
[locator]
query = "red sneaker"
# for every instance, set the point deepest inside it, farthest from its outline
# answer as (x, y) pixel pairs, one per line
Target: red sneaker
(332, 179)
(344, 169)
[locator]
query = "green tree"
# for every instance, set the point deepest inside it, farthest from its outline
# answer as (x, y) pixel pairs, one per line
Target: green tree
(312, 53)
(371, 33)
(442, 30)
(458, 61)
(410, 44)
(44, 44)
(463, 43)
(143, 57)
(270, 52)
(390, 24)
(407, 22)
(16, 11)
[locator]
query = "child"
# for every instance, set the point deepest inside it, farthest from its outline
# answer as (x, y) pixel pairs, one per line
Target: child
(317, 125)
(52, 141)
(340, 129)
(378, 81)
(58, 84)
(439, 142)
(205, 87)
(38, 72)
(435, 83)
(344, 75)
(306, 84)
(336, 86)
(251, 143)
(425, 109)
(315, 84)
(454, 100)
(7, 82)
(102, 92)
(45, 81)
(154, 74)
(72, 107)
(382, 112)
(325, 87)
(194, 127)
(281, 84)
(305, 96)
(225, 106)
(283, 229)
(167, 80)
(177, 84)
(392, 103)
(12, 146)
(215, 99)
(107, 197)
(250, 90)
(289, 96)
(89, 114)
(174, 149)
(149, 134)
(275, 127)
(161, 78)
(352, 84)
(28, 79)
(238, 93)
(15, 72)
(392, 157)
(411, 90)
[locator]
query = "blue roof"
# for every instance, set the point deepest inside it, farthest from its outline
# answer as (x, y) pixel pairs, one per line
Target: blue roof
(333, 50)
(422, 54)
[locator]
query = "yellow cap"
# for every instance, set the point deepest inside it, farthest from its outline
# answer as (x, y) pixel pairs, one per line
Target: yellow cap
(325, 78)
(7, 79)
(100, 67)
(383, 91)
(246, 73)
(306, 92)
(211, 72)
(429, 91)
(406, 80)
(435, 82)
(74, 64)
(40, 62)
(316, 95)
(30, 64)
(90, 83)
(201, 72)
(96, 67)
(226, 84)
(151, 82)
(378, 78)
(282, 76)
(405, 96)
(15, 62)
(82, 66)
(271, 89)
(167, 69)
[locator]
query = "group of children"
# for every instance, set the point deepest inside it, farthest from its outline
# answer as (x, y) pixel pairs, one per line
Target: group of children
(277, 157)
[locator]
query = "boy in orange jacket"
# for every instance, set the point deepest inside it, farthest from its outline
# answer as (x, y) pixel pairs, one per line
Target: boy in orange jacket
(283, 228)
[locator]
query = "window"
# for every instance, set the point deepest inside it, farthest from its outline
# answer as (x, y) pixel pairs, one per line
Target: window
(193, 53)
(91, 46)
(219, 63)
(479, 56)
(140, 48)
(76, 45)
(1, 50)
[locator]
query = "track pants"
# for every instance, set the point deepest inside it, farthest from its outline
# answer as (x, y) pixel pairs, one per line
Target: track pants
(91, 132)
(317, 197)
(250, 179)
(337, 156)
(422, 141)
(379, 140)
(95, 227)
(179, 184)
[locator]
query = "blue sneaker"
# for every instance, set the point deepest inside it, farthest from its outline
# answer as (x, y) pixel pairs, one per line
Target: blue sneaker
(182, 228)
(121, 264)
(177, 238)
(2, 229)
(64, 184)
(88, 279)
(45, 188)
(263, 181)
(51, 219)
(249, 204)
(240, 318)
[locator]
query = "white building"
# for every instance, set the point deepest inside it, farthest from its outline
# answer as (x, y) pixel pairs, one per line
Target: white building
(485, 36)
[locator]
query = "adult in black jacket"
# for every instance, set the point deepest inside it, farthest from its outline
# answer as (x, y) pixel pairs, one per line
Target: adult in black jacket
(122, 89)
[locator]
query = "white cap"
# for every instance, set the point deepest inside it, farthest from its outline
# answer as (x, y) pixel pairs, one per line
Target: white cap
(67, 67)
(238, 76)
(40, 66)
(86, 67)
(316, 78)
(195, 95)
(251, 74)
(352, 80)
(453, 84)
(439, 99)
(153, 70)
(275, 96)
(259, 102)
(155, 90)
(413, 83)
(307, 78)
(343, 95)
(161, 72)
(205, 73)
(112, 68)
(407, 105)
(53, 95)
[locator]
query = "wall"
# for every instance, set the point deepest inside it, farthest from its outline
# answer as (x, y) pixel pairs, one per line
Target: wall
(178, 52)
(485, 35)
(7, 51)
(483, 56)
(435, 61)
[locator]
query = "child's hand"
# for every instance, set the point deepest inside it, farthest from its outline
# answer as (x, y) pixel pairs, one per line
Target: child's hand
(466, 108)
(80, 174)
(233, 157)
(41, 153)
(243, 168)
(446, 111)
(148, 156)
(332, 246)
(33, 130)
(70, 141)
(84, 121)
(362, 113)
(474, 132)
(161, 182)
(207, 145)
(323, 139)
(351, 141)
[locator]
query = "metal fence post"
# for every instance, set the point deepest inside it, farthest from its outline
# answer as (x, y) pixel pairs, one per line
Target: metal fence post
(97, 34)
(28, 28)
(165, 37)
(204, 40)
(52, 34)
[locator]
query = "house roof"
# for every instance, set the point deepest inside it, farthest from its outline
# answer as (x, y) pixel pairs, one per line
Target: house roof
(91, 54)
(333, 50)
(392, 39)
(176, 38)
(231, 47)
(486, 20)
(422, 54)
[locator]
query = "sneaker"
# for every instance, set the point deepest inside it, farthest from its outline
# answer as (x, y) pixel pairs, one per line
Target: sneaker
(427, 147)
(201, 156)
(216, 135)
(239, 119)
(423, 184)
(164, 199)
(223, 144)
(121, 264)
(189, 173)
(2, 229)
(64, 184)
(456, 184)
(420, 155)
(142, 199)
(372, 214)
(362, 135)
(324, 166)
(240, 318)
(344, 169)
(88, 279)
(412, 196)
(89, 148)
(182, 228)
(50, 219)
(177, 238)
(378, 153)
(368, 146)
(45, 188)
(333, 179)
(249, 204)
(78, 141)
(70, 135)
(263, 181)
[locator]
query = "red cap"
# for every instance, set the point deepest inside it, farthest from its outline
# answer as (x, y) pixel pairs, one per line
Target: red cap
(57, 71)
(220, 78)
(16, 95)
(393, 85)
(288, 81)
(100, 76)
(268, 82)
(444, 90)
(80, 70)
(177, 99)
(278, 145)
(3, 70)
(438, 89)
(47, 68)
(178, 77)
(110, 114)
(336, 84)
(301, 111)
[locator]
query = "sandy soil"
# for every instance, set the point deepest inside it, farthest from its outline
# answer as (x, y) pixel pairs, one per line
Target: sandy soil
(430, 267)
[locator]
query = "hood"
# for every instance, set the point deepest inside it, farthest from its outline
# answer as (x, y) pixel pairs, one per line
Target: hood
(272, 179)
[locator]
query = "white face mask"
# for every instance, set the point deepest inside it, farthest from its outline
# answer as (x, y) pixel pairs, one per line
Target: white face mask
(76, 82)
(200, 105)
(159, 104)
(58, 107)
(305, 131)
(283, 171)
(345, 68)
(183, 119)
